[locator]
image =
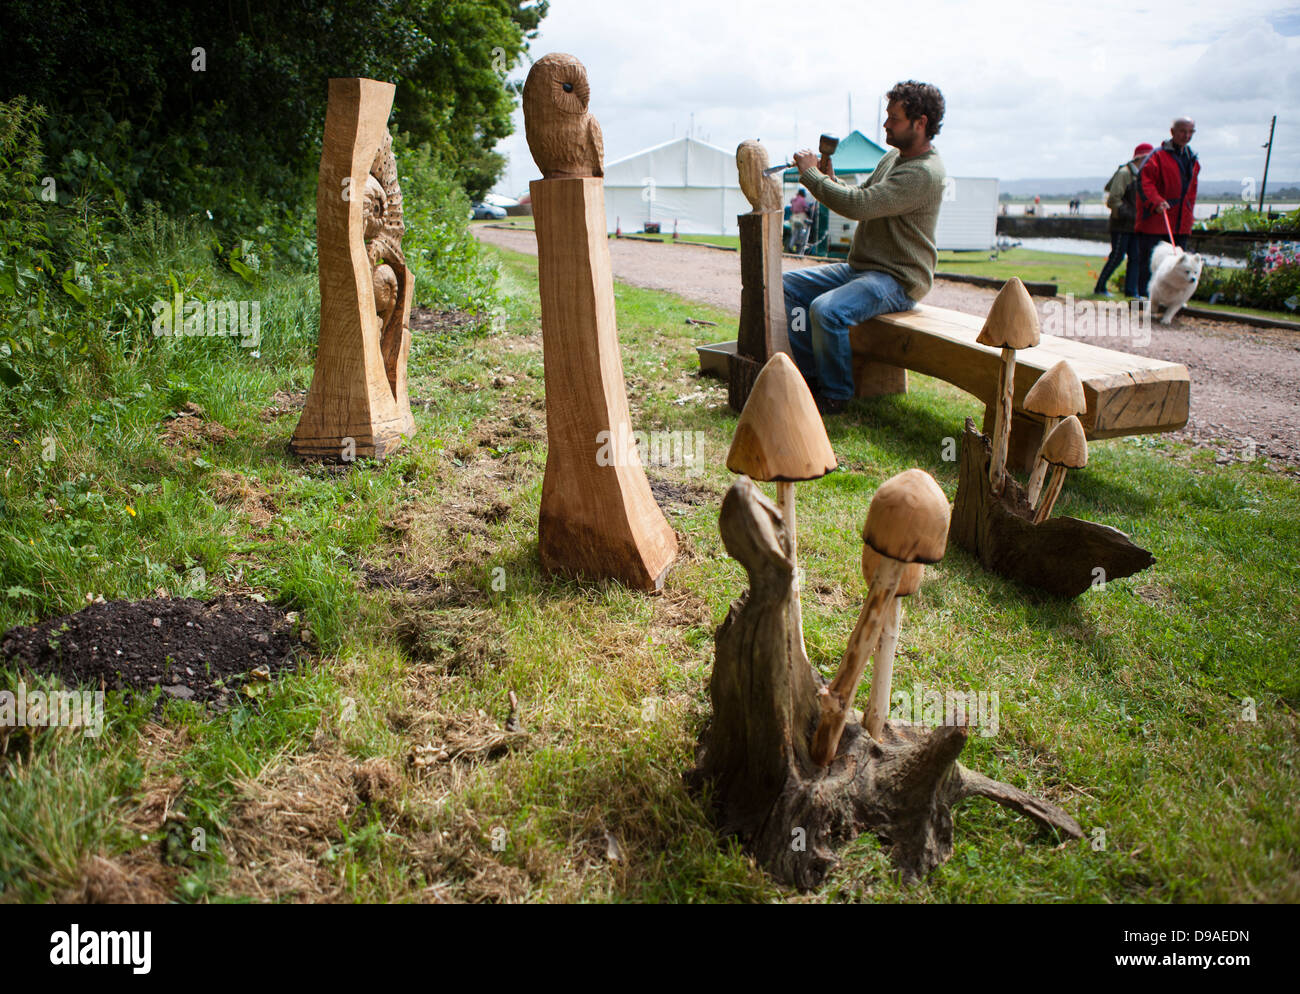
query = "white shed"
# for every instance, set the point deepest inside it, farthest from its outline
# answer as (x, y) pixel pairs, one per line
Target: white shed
(968, 216)
(685, 180)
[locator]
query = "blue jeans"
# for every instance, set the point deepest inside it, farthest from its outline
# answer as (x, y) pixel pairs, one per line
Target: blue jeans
(1122, 243)
(821, 304)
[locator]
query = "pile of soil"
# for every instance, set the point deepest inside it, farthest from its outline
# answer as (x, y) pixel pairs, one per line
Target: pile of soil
(192, 649)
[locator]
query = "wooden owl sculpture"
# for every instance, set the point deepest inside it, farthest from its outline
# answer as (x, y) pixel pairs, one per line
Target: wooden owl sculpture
(762, 192)
(563, 137)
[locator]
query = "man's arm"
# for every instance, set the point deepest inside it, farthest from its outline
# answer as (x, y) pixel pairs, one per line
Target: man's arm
(1147, 177)
(906, 188)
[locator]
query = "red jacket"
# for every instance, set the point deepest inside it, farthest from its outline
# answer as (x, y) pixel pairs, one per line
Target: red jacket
(1162, 179)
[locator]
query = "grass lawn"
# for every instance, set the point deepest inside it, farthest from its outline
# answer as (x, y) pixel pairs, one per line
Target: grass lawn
(1160, 711)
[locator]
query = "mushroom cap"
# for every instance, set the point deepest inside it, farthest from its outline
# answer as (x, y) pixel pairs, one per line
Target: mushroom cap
(1066, 445)
(908, 518)
(1013, 320)
(1058, 393)
(780, 435)
(910, 582)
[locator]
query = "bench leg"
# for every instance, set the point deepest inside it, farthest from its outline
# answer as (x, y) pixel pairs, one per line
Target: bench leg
(875, 379)
(1026, 436)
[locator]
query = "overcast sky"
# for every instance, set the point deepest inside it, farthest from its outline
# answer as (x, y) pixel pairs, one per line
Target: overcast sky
(1065, 91)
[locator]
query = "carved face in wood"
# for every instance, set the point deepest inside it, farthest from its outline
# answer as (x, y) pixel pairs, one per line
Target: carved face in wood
(564, 138)
(383, 228)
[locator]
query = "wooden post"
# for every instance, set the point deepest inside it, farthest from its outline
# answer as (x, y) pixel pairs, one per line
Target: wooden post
(598, 517)
(357, 404)
(762, 331)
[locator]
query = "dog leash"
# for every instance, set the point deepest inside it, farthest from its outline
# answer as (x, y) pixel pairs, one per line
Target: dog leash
(1165, 214)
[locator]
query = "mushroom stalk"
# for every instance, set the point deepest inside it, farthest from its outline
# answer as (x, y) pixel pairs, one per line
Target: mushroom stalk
(882, 672)
(1050, 494)
(836, 700)
(1040, 464)
(1002, 420)
(785, 498)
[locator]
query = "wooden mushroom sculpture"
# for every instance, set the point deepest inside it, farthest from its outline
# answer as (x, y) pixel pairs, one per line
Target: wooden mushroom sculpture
(780, 437)
(1065, 448)
(907, 522)
(1057, 394)
(882, 668)
(1012, 323)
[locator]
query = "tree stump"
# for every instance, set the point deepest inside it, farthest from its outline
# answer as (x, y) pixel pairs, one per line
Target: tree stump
(358, 403)
(754, 757)
(1063, 556)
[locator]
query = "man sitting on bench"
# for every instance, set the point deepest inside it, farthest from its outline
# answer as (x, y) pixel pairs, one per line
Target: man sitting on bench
(891, 261)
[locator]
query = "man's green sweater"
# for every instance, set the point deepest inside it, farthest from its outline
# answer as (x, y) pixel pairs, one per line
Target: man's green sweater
(896, 209)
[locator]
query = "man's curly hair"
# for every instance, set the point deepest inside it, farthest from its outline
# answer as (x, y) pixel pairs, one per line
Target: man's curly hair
(917, 99)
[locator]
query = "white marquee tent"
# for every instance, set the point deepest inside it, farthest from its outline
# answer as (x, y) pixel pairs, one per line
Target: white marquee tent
(685, 180)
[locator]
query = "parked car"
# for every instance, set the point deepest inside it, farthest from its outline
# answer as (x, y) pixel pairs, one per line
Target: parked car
(480, 212)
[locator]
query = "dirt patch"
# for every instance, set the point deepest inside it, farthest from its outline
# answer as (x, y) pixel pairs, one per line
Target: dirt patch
(234, 490)
(461, 639)
(189, 428)
(134, 878)
(284, 823)
(191, 649)
(682, 609)
(426, 319)
(283, 403)
(667, 493)
(417, 580)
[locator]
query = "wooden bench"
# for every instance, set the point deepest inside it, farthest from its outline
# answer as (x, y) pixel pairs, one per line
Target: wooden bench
(1127, 394)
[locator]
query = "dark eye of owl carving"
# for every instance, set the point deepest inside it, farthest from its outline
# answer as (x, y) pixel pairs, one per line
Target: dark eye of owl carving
(568, 87)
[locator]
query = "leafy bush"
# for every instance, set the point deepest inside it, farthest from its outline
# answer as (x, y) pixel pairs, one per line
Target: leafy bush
(450, 266)
(1271, 281)
(1247, 219)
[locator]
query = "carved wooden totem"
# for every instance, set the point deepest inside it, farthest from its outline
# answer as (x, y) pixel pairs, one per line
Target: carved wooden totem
(358, 404)
(762, 331)
(598, 517)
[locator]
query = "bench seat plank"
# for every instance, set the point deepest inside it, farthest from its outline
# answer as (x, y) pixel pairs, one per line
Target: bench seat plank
(1126, 394)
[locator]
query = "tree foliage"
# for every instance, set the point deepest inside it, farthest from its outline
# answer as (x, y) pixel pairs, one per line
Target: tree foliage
(219, 107)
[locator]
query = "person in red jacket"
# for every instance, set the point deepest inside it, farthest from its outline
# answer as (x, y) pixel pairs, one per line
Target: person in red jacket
(1167, 192)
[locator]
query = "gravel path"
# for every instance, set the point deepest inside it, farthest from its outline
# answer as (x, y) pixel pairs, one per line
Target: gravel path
(1245, 381)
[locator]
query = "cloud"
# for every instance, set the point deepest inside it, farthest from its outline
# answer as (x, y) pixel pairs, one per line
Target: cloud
(1061, 90)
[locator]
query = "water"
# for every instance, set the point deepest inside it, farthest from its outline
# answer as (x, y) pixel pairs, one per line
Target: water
(1098, 209)
(1099, 250)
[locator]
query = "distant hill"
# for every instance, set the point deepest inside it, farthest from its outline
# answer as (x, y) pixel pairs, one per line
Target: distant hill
(1226, 188)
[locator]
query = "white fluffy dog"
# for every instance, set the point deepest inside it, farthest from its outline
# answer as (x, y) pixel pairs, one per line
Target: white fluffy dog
(1174, 275)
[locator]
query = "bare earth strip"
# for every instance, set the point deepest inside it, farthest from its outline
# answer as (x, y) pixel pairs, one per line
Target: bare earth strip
(1245, 381)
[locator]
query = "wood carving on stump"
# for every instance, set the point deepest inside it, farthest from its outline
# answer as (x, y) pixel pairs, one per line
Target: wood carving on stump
(358, 403)
(761, 332)
(755, 756)
(598, 518)
(1059, 555)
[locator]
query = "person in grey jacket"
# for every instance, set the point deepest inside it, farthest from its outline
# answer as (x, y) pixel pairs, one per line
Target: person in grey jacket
(1121, 198)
